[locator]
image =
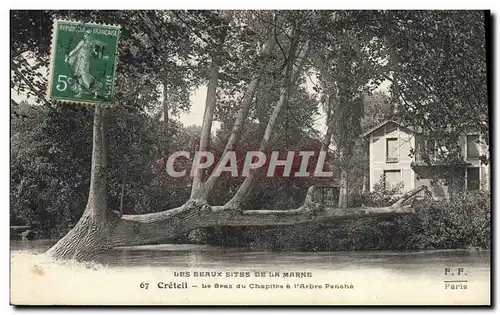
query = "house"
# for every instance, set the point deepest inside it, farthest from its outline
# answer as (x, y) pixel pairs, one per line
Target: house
(401, 154)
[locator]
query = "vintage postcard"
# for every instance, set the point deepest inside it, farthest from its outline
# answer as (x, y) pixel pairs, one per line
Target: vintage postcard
(250, 157)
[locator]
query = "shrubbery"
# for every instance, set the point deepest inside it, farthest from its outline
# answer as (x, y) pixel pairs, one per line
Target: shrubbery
(382, 194)
(460, 223)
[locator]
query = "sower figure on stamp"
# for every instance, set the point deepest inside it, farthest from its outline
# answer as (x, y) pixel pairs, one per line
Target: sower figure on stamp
(79, 60)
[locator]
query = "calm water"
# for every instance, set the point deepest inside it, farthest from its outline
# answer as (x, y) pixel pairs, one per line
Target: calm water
(205, 256)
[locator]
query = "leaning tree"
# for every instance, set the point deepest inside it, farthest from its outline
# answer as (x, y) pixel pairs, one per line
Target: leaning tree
(285, 47)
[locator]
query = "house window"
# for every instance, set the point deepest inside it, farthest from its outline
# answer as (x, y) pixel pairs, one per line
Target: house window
(473, 178)
(391, 178)
(472, 146)
(392, 150)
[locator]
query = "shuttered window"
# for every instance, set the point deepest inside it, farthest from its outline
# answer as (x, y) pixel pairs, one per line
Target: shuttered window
(392, 150)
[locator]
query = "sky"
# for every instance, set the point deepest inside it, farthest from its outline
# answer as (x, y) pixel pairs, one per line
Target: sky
(195, 115)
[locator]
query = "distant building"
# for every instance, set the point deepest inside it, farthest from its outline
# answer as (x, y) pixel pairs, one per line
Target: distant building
(400, 154)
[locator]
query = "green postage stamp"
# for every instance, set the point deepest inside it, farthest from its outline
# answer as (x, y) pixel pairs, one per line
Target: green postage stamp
(83, 62)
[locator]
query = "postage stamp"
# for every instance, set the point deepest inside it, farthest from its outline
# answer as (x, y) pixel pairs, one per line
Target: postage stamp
(83, 62)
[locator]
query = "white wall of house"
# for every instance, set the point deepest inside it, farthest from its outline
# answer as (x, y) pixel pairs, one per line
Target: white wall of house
(381, 161)
(396, 163)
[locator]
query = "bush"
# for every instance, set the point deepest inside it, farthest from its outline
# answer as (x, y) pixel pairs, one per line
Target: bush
(460, 223)
(383, 195)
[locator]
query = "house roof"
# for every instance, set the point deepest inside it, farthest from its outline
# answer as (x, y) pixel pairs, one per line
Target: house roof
(382, 124)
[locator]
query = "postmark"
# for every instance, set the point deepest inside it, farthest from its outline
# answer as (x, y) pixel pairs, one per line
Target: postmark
(83, 62)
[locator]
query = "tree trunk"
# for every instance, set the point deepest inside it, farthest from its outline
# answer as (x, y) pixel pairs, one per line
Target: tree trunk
(366, 167)
(131, 230)
(365, 189)
(122, 196)
(329, 133)
(91, 234)
(165, 116)
(292, 72)
(243, 112)
(206, 128)
(198, 191)
(343, 189)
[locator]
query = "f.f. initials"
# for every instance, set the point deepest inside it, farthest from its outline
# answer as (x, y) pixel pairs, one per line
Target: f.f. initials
(456, 271)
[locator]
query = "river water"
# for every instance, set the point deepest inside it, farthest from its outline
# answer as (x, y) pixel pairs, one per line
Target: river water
(427, 276)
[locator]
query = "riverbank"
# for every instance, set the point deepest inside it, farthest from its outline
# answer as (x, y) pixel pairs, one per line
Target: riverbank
(461, 223)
